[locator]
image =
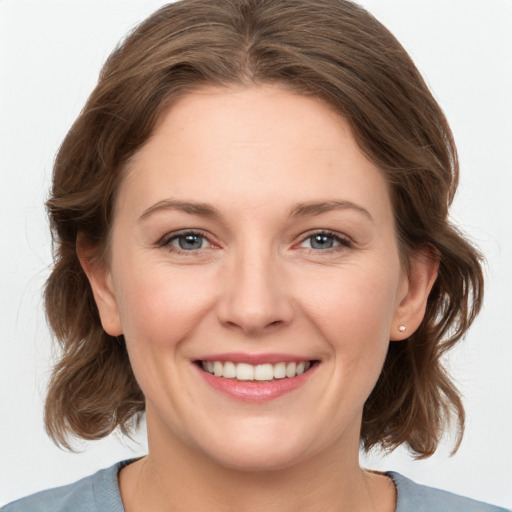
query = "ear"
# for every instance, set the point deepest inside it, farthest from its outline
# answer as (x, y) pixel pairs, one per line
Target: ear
(100, 280)
(418, 281)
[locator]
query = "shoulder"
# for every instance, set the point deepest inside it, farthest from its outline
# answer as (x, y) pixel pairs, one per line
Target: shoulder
(420, 498)
(97, 492)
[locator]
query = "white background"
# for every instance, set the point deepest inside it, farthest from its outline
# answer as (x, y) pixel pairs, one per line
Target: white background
(51, 53)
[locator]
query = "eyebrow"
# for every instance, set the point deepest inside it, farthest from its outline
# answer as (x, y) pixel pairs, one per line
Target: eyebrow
(201, 209)
(307, 209)
(311, 209)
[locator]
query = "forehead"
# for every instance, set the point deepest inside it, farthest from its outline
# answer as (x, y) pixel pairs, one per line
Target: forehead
(253, 146)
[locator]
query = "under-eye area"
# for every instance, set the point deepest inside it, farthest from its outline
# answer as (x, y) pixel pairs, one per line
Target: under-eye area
(258, 372)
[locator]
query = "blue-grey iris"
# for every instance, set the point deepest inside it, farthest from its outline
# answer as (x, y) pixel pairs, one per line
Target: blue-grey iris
(190, 242)
(322, 242)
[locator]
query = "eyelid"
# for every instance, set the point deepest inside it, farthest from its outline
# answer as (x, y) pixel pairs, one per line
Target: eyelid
(180, 232)
(344, 240)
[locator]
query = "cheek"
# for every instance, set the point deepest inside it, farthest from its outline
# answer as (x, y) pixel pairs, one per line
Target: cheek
(160, 312)
(359, 298)
(353, 309)
(158, 307)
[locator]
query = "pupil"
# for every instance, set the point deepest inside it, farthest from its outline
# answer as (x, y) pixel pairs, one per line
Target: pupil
(190, 242)
(322, 242)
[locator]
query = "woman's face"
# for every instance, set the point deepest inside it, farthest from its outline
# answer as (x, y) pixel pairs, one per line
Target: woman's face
(253, 239)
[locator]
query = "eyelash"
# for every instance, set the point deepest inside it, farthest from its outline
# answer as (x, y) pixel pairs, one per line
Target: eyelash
(344, 242)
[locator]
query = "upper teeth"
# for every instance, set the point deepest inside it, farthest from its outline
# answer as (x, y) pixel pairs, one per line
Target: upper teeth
(244, 371)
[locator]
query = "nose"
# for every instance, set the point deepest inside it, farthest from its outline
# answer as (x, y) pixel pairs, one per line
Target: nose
(255, 296)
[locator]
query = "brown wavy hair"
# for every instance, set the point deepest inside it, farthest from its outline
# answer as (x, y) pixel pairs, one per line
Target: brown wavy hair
(333, 50)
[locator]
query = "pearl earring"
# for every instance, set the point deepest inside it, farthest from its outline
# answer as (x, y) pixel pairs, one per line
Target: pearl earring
(401, 328)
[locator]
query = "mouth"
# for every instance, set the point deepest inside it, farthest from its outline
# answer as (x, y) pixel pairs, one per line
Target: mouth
(266, 372)
(251, 378)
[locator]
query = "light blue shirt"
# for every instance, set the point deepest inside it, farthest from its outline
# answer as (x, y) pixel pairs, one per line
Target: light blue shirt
(100, 493)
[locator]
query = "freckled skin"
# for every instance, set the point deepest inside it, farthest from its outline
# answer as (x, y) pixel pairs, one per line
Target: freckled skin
(256, 285)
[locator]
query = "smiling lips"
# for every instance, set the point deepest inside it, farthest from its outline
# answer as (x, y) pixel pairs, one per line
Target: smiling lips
(262, 381)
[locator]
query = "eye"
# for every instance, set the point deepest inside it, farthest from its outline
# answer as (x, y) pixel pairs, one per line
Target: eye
(325, 240)
(185, 241)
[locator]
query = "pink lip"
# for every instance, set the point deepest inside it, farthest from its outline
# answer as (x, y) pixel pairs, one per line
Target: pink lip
(254, 359)
(255, 391)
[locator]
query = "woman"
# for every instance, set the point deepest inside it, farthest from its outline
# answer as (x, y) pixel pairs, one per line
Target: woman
(252, 204)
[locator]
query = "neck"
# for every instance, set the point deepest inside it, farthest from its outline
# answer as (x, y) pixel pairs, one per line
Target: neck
(176, 477)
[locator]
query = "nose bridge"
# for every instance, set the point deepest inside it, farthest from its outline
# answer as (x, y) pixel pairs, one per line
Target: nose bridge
(255, 295)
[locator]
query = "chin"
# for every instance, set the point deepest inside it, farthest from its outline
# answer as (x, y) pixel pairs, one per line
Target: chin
(259, 450)
(256, 459)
